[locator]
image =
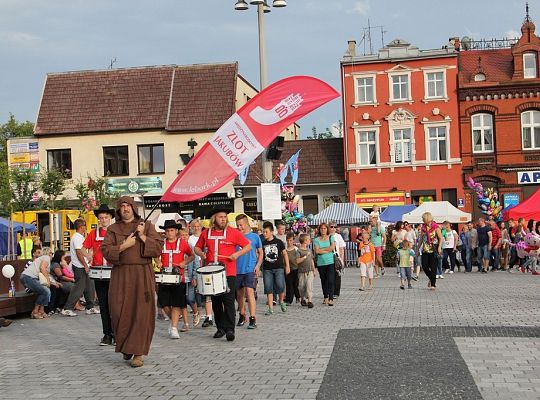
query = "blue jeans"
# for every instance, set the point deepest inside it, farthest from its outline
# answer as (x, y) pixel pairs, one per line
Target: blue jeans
(496, 258)
(439, 264)
(468, 259)
(274, 281)
(43, 292)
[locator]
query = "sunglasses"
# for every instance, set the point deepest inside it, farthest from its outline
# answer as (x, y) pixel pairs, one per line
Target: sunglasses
(333, 226)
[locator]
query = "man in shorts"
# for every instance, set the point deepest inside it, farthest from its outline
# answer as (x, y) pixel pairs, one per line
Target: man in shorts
(247, 272)
(484, 244)
(275, 266)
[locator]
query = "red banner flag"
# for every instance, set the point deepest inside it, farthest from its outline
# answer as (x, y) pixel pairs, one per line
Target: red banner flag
(246, 134)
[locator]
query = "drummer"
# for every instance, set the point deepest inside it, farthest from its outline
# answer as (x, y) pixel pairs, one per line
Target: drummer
(173, 298)
(93, 243)
(225, 240)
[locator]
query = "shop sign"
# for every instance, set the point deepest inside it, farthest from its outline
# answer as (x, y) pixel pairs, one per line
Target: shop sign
(382, 199)
(134, 185)
(510, 199)
(528, 177)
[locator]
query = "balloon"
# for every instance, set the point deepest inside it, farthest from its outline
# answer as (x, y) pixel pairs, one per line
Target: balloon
(8, 271)
(310, 217)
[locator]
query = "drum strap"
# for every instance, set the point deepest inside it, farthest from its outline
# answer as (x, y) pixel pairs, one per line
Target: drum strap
(216, 239)
(171, 252)
(100, 238)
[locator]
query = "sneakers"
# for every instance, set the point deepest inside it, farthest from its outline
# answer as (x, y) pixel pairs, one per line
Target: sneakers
(414, 278)
(382, 271)
(441, 276)
(207, 322)
(447, 270)
(409, 287)
(219, 334)
(269, 311)
(252, 323)
(173, 333)
(196, 318)
(106, 341)
(241, 320)
(68, 313)
(451, 272)
(283, 306)
(402, 287)
(184, 328)
(92, 310)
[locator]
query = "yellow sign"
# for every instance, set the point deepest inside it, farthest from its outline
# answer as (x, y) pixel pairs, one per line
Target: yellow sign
(382, 199)
(19, 158)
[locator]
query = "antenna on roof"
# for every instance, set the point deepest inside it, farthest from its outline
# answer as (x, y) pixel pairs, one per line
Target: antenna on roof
(366, 37)
(527, 16)
(113, 61)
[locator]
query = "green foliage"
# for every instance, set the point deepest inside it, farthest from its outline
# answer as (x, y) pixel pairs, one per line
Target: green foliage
(52, 183)
(327, 134)
(93, 193)
(23, 184)
(5, 191)
(13, 129)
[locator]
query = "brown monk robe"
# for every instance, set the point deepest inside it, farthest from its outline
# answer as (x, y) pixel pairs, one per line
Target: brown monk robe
(131, 290)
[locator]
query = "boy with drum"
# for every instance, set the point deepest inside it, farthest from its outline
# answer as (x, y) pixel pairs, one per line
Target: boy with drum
(93, 243)
(173, 297)
(221, 243)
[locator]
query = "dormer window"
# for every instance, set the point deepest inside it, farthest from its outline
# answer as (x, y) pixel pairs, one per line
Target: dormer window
(480, 77)
(529, 66)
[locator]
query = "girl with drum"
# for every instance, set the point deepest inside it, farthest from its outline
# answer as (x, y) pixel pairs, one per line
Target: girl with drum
(172, 295)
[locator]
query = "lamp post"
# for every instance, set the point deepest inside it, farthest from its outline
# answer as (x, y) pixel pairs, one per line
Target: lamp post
(262, 8)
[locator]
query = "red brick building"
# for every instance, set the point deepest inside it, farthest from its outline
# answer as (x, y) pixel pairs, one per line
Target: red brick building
(499, 94)
(401, 127)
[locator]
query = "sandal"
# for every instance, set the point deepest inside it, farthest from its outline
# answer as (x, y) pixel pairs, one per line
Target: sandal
(36, 316)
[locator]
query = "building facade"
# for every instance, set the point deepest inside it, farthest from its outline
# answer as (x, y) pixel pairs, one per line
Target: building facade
(499, 93)
(137, 127)
(401, 126)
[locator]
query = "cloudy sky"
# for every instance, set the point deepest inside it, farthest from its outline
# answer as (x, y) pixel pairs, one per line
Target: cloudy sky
(308, 37)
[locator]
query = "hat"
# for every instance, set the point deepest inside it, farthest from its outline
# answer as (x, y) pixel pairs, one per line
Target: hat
(170, 223)
(218, 210)
(104, 209)
(128, 200)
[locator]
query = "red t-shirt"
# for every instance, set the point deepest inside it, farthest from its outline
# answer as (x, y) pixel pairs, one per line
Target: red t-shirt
(495, 236)
(94, 242)
(179, 249)
(227, 242)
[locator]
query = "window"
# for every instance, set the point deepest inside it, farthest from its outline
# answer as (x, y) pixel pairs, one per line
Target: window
(60, 160)
(367, 151)
(400, 87)
(437, 143)
(482, 132)
(402, 145)
(435, 84)
(530, 127)
(151, 159)
(115, 161)
(529, 65)
(365, 90)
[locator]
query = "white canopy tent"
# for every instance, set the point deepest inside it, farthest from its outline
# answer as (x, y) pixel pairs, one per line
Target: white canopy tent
(159, 220)
(441, 211)
(342, 214)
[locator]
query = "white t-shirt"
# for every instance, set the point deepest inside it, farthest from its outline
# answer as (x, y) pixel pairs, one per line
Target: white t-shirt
(77, 241)
(340, 243)
(33, 269)
(448, 243)
(192, 241)
(411, 237)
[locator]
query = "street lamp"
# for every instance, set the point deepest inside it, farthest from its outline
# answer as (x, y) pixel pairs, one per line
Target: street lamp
(262, 8)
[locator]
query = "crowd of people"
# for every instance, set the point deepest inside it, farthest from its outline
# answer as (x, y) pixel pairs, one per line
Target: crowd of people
(286, 262)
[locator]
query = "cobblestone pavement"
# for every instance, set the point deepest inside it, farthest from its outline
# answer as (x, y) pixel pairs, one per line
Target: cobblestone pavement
(287, 356)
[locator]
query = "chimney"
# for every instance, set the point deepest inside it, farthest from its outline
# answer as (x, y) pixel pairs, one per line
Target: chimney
(352, 48)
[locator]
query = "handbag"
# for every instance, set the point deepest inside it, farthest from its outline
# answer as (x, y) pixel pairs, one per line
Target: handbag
(338, 264)
(43, 280)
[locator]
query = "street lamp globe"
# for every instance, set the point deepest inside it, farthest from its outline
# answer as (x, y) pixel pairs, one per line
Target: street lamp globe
(256, 2)
(266, 7)
(241, 5)
(279, 3)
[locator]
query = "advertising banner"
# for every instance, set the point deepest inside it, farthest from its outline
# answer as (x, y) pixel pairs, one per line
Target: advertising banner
(382, 199)
(246, 134)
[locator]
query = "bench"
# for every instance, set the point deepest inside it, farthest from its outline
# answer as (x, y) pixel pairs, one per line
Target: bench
(22, 302)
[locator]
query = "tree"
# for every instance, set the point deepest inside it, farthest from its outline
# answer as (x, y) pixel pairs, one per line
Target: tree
(52, 183)
(336, 130)
(13, 129)
(5, 190)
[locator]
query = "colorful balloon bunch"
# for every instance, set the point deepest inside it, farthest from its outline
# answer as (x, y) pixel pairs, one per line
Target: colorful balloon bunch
(488, 199)
(294, 219)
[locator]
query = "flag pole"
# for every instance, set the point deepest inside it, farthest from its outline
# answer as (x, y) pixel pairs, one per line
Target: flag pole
(152, 210)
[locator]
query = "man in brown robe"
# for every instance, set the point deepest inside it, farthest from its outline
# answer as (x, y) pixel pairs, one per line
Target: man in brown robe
(130, 245)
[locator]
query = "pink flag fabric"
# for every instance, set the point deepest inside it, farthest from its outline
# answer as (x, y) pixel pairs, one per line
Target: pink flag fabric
(246, 134)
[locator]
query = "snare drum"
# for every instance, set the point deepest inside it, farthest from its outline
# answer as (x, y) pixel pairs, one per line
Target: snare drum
(212, 280)
(168, 278)
(100, 272)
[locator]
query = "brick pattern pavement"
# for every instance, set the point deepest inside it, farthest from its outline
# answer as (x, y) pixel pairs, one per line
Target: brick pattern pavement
(285, 358)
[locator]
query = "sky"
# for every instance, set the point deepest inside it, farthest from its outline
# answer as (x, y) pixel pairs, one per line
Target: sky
(308, 37)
